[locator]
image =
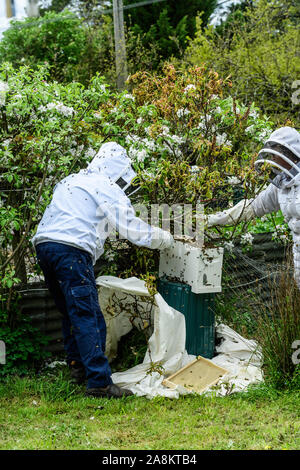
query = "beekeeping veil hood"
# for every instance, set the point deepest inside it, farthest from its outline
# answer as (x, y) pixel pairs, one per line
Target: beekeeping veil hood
(282, 146)
(113, 162)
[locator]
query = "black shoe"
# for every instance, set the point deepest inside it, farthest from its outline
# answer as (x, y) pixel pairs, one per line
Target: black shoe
(77, 372)
(111, 391)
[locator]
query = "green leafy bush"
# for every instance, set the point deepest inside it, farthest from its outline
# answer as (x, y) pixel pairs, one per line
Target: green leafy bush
(178, 120)
(47, 130)
(72, 48)
(188, 142)
(25, 347)
(260, 52)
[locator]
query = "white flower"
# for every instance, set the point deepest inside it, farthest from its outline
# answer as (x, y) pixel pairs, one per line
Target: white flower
(189, 87)
(250, 129)
(165, 130)
(103, 88)
(177, 140)
(65, 110)
(3, 86)
(233, 180)
(182, 112)
(109, 256)
(128, 96)
(229, 245)
(139, 120)
(254, 114)
(141, 155)
(137, 154)
(264, 134)
(178, 153)
(131, 138)
(51, 106)
(201, 126)
(150, 144)
(247, 238)
(221, 139)
(60, 107)
(6, 142)
(90, 153)
(194, 169)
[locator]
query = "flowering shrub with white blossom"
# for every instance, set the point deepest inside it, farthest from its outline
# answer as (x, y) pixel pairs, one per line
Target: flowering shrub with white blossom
(187, 142)
(271, 223)
(183, 116)
(47, 131)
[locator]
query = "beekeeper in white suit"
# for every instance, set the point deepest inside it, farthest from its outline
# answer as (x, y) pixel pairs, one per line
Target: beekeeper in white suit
(282, 152)
(86, 207)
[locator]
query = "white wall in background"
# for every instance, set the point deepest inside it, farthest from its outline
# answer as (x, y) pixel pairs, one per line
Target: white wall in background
(19, 9)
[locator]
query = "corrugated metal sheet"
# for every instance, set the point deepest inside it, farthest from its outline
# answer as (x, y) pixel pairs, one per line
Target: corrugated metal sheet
(38, 304)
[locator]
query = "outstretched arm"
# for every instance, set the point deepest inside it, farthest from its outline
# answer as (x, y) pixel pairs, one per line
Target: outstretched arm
(122, 217)
(264, 203)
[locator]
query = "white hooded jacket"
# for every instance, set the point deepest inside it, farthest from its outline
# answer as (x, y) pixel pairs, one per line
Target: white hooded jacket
(88, 206)
(285, 197)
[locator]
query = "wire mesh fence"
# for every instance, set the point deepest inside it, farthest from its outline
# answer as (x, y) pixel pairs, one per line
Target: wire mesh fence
(248, 281)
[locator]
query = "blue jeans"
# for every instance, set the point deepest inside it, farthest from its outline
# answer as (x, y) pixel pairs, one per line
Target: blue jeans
(69, 275)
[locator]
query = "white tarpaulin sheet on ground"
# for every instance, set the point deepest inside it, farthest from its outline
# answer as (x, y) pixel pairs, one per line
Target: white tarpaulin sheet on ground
(127, 302)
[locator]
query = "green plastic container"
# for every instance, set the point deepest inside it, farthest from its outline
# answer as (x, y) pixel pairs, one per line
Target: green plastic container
(198, 310)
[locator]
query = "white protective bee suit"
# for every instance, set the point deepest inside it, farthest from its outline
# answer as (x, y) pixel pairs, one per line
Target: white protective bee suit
(88, 206)
(283, 193)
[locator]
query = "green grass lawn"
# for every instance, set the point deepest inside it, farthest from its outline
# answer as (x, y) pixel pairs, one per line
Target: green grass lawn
(47, 412)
